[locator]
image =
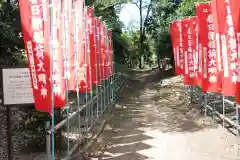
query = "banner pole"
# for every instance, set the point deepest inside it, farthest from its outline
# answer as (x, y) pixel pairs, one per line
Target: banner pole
(106, 65)
(237, 118)
(223, 109)
(76, 50)
(191, 95)
(103, 67)
(9, 133)
(112, 67)
(100, 65)
(48, 141)
(51, 75)
(89, 69)
(86, 66)
(214, 108)
(66, 21)
(96, 62)
(205, 104)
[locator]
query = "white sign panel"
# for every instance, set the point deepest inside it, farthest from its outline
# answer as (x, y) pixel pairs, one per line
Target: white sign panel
(17, 88)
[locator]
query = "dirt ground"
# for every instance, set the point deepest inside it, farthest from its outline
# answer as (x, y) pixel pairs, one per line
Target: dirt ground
(151, 121)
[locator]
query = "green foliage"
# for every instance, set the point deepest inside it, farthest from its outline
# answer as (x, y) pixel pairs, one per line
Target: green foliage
(33, 130)
(106, 3)
(164, 12)
(187, 8)
(109, 15)
(11, 44)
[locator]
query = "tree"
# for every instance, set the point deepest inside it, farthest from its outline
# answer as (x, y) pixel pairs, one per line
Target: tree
(164, 12)
(109, 14)
(11, 43)
(141, 4)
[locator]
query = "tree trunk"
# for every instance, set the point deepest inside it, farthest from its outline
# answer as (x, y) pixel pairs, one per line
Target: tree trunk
(140, 62)
(141, 36)
(158, 61)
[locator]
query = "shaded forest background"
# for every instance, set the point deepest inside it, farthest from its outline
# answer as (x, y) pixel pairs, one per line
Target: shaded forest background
(134, 47)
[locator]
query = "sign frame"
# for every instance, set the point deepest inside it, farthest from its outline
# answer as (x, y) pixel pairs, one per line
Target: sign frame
(2, 89)
(9, 112)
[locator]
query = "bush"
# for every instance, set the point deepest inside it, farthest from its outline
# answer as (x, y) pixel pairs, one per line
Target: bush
(33, 130)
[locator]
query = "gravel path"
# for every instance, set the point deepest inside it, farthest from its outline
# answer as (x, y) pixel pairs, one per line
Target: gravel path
(151, 122)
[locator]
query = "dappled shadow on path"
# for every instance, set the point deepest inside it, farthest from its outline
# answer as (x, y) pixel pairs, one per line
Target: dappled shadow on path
(156, 105)
(145, 105)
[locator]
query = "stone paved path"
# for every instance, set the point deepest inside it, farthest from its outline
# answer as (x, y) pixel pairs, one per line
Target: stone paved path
(151, 122)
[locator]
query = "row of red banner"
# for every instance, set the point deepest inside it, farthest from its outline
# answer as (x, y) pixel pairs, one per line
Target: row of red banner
(207, 47)
(67, 48)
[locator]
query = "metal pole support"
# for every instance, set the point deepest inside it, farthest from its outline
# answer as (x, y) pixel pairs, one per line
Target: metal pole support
(9, 133)
(48, 141)
(205, 103)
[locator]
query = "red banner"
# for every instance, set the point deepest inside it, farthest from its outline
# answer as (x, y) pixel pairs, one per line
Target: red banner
(199, 60)
(78, 43)
(179, 47)
(235, 10)
(218, 44)
(103, 51)
(194, 38)
(58, 81)
(181, 53)
(98, 48)
(36, 31)
(92, 46)
(210, 82)
(229, 47)
(199, 11)
(188, 52)
(110, 52)
(68, 44)
(106, 67)
(102, 40)
(84, 73)
(175, 35)
(200, 16)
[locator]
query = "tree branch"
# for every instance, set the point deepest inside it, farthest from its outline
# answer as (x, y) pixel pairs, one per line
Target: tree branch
(136, 3)
(147, 16)
(113, 5)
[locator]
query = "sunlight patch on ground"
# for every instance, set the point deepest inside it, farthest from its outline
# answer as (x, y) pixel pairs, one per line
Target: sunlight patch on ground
(155, 127)
(110, 155)
(155, 143)
(71, 136)
(123, 144)
(164, 142)
(130, 135)
(175, 145)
